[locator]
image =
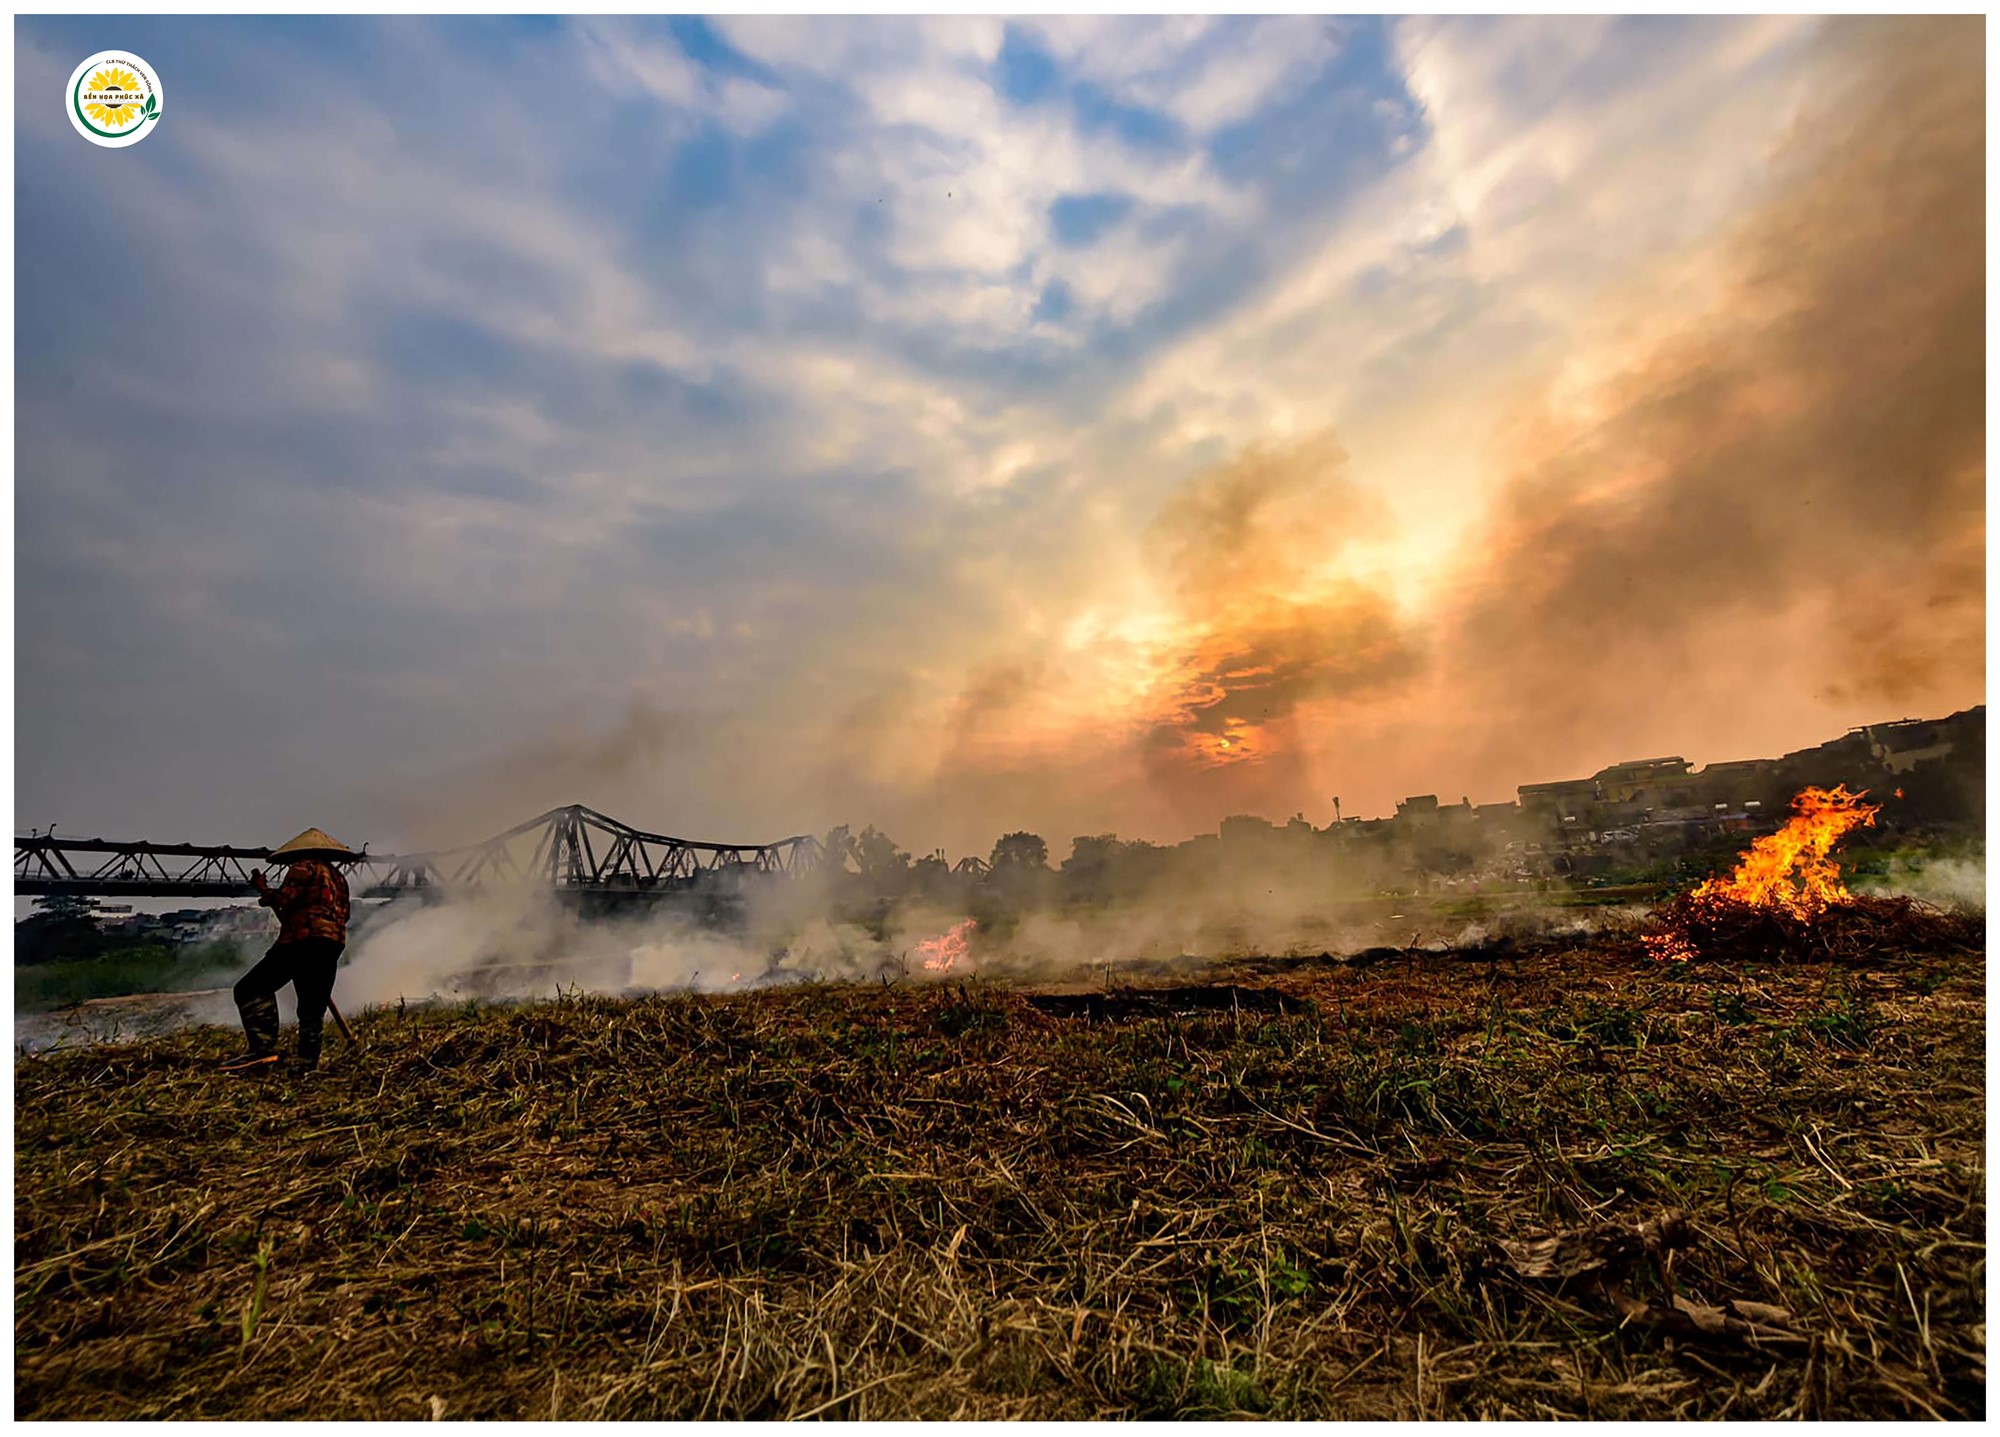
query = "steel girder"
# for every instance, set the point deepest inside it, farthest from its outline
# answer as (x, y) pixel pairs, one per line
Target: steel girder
(574, 849)
(44, 864)
(579, 848)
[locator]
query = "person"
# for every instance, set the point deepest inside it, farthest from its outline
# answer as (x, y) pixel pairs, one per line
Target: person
(312, 908)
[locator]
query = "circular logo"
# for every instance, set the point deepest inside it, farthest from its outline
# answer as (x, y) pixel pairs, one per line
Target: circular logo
(114, 99)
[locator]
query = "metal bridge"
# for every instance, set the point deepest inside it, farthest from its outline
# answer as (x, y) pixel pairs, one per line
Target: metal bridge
(578, 851)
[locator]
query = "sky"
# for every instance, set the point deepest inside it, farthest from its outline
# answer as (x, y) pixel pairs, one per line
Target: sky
(746, 426)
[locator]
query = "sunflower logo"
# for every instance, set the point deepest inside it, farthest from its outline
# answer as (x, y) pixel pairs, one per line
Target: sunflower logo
(113, 98)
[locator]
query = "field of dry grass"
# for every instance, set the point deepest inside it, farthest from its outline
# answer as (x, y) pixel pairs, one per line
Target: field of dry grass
(1318, 1193)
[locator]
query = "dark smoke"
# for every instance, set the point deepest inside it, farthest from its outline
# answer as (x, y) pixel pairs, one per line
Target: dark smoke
(1790, 492)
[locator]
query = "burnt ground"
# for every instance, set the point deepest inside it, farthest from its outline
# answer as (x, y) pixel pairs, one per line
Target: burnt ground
(1314, 1189)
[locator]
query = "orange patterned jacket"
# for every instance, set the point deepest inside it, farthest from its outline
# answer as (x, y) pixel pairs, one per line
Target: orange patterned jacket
(312, 903)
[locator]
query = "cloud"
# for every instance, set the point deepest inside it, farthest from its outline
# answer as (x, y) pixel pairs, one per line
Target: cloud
(624, 59)
(1271, 620)
(1204, 72)
(733, 430)
(1553, 159)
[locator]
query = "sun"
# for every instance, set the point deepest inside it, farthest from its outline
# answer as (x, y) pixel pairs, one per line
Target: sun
(108, 109)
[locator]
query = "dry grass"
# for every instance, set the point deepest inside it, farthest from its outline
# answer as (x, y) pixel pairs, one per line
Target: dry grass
(946, 1202)
(1704, 929)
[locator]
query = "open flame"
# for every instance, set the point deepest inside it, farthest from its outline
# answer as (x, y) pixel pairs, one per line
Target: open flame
(941, 954)
(1790, 869)
(1788, 872)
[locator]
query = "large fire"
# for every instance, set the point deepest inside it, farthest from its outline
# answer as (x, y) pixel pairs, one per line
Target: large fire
(941, 954)
(1788, 872)
(1790, 869)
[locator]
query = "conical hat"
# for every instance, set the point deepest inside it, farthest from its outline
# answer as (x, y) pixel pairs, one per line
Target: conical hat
(313, 843)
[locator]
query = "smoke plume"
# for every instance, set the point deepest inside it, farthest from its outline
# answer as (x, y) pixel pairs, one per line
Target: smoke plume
(1778, 508)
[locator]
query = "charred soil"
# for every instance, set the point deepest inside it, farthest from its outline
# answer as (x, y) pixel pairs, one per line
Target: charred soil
(1562, 1181)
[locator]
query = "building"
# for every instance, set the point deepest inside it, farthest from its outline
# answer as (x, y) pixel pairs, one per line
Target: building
(1735, 784)
(1902, 745)
(1244, 830)
(1647, 783)
(1566, 801)
(1498, 821)
(1418, 809)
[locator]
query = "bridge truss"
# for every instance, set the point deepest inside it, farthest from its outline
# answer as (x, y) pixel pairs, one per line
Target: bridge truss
(580, 848)
(45, 864)
(575, 850)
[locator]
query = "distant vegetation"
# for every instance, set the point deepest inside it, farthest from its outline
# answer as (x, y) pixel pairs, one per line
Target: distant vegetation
(62, 928)
(65, 954)
(114, 972)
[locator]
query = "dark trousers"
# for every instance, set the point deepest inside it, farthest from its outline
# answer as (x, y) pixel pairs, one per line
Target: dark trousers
(305, 963)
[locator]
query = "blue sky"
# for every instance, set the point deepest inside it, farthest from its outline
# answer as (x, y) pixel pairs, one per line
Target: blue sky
(440, 419)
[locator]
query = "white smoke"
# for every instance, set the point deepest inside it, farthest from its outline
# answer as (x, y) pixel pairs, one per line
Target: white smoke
(1946, 882)
(524, 944)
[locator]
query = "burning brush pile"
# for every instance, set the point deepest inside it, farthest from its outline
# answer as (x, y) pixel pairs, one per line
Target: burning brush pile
(1786, 900)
